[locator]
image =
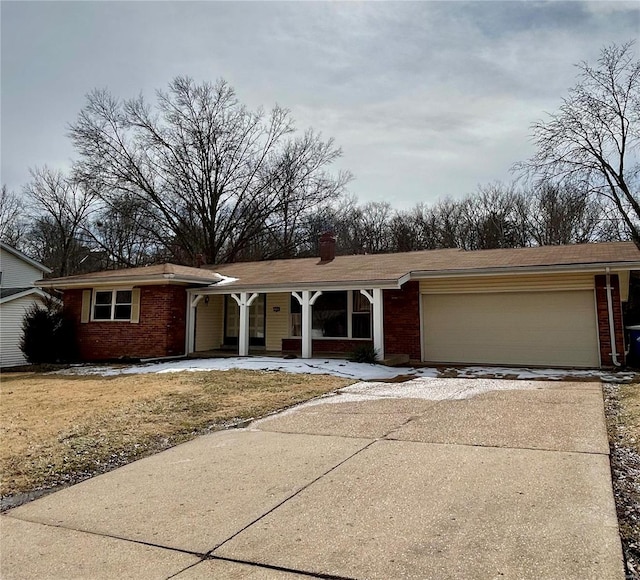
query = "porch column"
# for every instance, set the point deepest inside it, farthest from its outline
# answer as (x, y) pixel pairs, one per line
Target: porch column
(378, 321)
(306, 301)
(191, 322)
(244, 301)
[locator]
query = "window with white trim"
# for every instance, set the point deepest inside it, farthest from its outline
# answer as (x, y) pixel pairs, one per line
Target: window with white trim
(112, 304)
(337, 314)
(361, 316)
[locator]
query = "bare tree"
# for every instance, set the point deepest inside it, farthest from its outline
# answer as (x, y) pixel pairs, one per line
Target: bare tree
(490, 219)
(60, 208)
(299, 184)
(592, 141)
(562, 214)
(124, 234)
(13, 222)
(214, 172)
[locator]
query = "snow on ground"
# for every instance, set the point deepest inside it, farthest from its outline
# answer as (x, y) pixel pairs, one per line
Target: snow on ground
(336, 367)
(436, 389)
(347, 369)
(429, 388)
(545, 374)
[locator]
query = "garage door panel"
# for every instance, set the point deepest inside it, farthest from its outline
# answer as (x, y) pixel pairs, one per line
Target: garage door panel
(522, 328)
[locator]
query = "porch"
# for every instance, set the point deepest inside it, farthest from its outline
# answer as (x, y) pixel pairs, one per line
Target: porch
(332, 322)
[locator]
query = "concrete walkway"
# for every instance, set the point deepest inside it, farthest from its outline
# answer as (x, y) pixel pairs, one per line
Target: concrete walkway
(506, 484)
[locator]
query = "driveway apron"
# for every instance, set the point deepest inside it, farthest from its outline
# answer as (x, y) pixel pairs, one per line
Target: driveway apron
(511, 483)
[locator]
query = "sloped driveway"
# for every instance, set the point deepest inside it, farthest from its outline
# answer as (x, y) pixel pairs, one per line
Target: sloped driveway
(444, 478)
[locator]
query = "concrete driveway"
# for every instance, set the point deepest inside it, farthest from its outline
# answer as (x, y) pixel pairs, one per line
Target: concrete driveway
(381, 483)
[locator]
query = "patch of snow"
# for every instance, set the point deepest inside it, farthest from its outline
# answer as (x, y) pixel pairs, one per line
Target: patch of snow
(336, 367)
(431, 389)
(347, 369)
(224, 279)
(437, 389)
(546, 374)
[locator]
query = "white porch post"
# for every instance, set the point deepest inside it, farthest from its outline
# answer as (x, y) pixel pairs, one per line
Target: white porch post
(306, 301)
(191, 323)
(378, 321)
(244, 301)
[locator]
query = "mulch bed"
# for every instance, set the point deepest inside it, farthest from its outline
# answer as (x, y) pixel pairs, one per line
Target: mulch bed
(625, 470)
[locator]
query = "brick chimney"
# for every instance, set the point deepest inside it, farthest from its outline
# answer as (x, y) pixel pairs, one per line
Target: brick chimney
(327, 247)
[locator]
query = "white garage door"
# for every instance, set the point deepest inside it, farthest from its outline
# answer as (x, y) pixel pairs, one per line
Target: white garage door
(515, 328)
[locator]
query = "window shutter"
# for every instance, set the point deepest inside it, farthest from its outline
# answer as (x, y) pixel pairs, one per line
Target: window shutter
(135, 305)
(86, 306)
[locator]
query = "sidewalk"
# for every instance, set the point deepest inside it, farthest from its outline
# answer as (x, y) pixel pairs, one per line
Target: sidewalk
(506, 484)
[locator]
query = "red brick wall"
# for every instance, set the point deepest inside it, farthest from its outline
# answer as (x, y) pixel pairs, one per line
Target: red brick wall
(332, 345)
(603, 320)
(160, 332)
(402, 321)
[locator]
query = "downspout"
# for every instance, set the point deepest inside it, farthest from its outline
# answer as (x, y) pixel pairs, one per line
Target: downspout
(612, 327)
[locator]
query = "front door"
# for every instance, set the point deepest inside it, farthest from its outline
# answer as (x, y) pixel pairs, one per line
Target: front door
(256, 321)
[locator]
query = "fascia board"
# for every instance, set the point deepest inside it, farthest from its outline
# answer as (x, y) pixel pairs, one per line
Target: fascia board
(334, 286)
(27, 293)
(118, 281)
(563, 268)
(24, 258)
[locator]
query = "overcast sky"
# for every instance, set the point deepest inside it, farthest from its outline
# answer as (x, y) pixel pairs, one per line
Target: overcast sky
(426, 99)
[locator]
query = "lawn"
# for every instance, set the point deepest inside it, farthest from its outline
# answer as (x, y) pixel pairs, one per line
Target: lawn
(59, 429)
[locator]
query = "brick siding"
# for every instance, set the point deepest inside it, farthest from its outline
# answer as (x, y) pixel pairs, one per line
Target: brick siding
(325, 345)
(160, 332)
(402, 321)
(603, 320)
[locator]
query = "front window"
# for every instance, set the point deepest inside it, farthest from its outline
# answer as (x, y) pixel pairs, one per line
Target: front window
(344, 314)
(112, 305)
(361, 316)
(330, 315)
(296, 317)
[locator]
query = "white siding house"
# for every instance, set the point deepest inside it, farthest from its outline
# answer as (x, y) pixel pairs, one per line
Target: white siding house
(17, 294)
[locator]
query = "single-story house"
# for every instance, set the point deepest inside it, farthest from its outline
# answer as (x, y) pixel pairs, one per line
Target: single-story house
(18, 274)
(544, 306)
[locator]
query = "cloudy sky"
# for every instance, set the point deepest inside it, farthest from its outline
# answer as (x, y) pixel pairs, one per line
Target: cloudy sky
(426, 99)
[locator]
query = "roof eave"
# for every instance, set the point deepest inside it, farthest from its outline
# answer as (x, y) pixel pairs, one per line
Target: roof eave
(515, 270)
(27, 293)
(297, 287)
(60, 284)
(25, 258)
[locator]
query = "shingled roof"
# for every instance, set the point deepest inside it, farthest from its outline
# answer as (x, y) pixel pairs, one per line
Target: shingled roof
(372, 268)
(392, 267)
(159, 273)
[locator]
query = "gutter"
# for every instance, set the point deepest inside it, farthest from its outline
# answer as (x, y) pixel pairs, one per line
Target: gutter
(510, 270)
(612, 327)
(122, 281)
(232, 288)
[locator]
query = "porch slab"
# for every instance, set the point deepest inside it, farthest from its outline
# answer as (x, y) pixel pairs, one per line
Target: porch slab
(196, 495)
(31, 550)
(414, 510)
(560, 420)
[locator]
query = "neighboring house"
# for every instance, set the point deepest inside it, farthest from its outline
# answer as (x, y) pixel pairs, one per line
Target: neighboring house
(17, 294)
(546, 306)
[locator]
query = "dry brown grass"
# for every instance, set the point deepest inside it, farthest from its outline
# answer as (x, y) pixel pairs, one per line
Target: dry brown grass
(57, 429)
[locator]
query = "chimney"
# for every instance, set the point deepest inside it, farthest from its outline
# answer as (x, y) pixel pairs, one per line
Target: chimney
(200, 260)
(327, 247)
